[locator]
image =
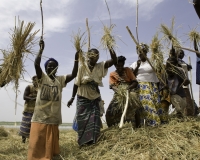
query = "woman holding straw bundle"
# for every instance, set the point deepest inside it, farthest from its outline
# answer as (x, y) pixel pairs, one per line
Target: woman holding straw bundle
(44, 135)
(86, 85)
(30, 95)
(148, 89)
(186, 67)
(121, 80)
(176, 79)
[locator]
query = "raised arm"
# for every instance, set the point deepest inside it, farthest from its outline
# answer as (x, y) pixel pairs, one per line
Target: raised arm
(113, 59)
(75, 69)
(38, 60)
(75, 88)
(27, 96)
(135, 71)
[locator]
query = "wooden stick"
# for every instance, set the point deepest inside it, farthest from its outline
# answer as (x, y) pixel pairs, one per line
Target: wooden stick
(145, 55)
(42, 19)
(132, 36)
(191, 84)
(188, 49)
(108, 12)
(88, 29)
(137, 22)
(125, 110)
(16, 95)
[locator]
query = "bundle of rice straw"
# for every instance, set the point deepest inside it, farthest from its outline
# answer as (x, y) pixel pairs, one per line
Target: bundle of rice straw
(157, 58)
(108, 40)
(194, 35)
(168, 34)
(22, 42)
(79, 42)
(120, 97)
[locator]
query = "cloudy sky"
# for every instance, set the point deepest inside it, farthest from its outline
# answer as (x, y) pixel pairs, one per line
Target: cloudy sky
(63, 17)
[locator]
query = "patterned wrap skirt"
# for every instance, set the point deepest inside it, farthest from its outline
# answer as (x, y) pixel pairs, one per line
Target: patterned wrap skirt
(25, 126)
(88, 120)
(150, 99)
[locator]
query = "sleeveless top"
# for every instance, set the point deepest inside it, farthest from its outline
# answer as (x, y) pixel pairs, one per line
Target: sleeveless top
(30, 105)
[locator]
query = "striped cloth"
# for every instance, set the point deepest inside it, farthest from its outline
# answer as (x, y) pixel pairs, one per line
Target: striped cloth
(25, 125)
(88, 120)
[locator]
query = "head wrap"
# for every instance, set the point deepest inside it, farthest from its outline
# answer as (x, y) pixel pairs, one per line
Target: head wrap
(93, 53)
(34, 77)
(121, 59)
(181, 51)
(144, 47)
(50, 59)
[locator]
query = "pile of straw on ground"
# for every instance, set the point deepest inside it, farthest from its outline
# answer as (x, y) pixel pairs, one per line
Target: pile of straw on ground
(176, 140)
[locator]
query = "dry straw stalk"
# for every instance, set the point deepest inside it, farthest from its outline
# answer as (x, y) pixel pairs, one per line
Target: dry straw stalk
(168, 33)
(157, 57)
(108, 40)
(180, 139)
(194, 35)
(22, 42)
(79, 42)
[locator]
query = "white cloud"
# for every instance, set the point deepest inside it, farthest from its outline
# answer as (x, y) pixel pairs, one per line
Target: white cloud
(127, 8)
(56, 15)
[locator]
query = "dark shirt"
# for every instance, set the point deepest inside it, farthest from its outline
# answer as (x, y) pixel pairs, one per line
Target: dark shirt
(198, 71)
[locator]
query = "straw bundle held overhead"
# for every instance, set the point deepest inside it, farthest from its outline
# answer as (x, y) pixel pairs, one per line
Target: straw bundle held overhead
(108, 40)
(168, 34)
(157, 57)
(22, 42)
(79, 42)
(194, 35)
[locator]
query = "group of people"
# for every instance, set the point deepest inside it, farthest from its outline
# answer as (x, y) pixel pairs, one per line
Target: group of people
(148, 103)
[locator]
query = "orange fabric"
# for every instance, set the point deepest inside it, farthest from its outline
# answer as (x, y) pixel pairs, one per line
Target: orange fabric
(128, 76)
(44, 141)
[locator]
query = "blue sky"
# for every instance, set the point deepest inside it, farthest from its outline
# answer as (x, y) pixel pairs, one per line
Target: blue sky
(63, 17)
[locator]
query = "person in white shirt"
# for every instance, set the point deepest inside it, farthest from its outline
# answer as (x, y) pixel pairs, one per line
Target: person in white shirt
(148, 89)
(86, 86)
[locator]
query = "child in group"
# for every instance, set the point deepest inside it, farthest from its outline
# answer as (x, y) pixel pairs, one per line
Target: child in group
(30, 94)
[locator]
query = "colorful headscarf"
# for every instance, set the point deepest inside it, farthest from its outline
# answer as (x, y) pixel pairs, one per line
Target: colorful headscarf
(50, 59)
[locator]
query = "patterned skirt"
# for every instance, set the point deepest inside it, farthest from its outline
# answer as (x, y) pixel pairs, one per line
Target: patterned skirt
(88, 120)
(25, 125)
(150, 99)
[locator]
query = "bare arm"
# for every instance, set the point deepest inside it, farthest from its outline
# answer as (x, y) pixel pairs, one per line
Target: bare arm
(75, 88)
(75, 69)
(135, 71)
(113, 59)
(27, 96)
(38, 60)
